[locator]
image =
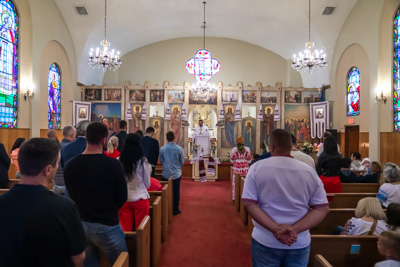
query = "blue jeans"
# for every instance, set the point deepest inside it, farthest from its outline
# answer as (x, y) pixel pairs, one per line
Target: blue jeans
(263, 256)
(110, 239)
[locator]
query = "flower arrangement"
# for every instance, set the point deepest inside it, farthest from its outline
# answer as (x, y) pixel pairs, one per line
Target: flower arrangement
(308, 148)
(264, 147)
(195, 148)
(213, 149)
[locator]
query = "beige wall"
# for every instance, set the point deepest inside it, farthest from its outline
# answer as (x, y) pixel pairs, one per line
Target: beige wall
(240, 61)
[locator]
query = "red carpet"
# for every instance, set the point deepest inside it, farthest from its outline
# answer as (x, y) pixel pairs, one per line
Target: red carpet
(209, 231)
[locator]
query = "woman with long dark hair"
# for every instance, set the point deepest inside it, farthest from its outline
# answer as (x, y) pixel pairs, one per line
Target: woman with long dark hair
(137, 176)
(328, 166)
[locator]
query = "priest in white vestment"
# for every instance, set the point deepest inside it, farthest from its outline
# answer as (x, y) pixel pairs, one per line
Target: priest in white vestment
(201, 129)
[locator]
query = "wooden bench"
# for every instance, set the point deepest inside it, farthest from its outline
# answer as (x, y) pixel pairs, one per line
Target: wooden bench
(2, 191)
(347, 200)
(360, 187)
(12, 182)
(335, 217)
(243, 212)
(320, 261)
(164, 209)
(138, 244)
(171, 198)
(336, 250)
(122, 260)
(155, 215)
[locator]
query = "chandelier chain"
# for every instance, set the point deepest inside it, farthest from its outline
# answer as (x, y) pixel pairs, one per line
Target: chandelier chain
(105, 20)
(204, 26)
(309, 20)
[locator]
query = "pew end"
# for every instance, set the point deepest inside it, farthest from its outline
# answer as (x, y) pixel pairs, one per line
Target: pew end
(171, 197)
(155, 214)
(320, 261)
(122, 260)
(138, 244)
(164, 212)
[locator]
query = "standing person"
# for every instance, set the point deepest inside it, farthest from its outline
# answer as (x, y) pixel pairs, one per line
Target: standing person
(14, 154)
(303, 157)
(283, 208)
(328, 166)
(171, 156)
(121, 135)
(137, 175)
(76, 147)
(241, 158)
(4, 167)
(69, 134)
(97, 184)
(151, 149)
(201, 129)
(39, 228)
(112, 146)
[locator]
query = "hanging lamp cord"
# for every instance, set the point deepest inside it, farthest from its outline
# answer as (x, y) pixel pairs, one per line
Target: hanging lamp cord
(309, 20)
(204, 27)
(105, 19)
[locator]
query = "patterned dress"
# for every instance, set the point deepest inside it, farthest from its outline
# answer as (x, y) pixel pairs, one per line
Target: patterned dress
(240, 164)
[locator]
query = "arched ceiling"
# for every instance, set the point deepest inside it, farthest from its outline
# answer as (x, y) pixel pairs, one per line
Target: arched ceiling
(277, 25)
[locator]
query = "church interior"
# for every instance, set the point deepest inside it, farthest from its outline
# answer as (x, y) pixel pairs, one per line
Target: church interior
(248, 85)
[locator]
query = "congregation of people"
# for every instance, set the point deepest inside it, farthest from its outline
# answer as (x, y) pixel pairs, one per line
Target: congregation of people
(101, 186)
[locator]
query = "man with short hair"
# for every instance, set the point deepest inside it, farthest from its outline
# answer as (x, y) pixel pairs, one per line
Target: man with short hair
(171, 156)
(303, 157)
(150, 149)
(37, 227)
(121, 135)
(52, 134)
(77, 146)
(285, 198)
(69, 134)
(97, 184)
(201, 129)
(355, 161)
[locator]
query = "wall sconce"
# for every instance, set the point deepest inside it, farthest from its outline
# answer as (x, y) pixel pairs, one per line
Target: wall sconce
(380, 97)
(29, 94)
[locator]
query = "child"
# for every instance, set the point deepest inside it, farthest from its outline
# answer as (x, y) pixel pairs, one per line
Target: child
(393, 217)
(389, 246)
(355, 161)
(375, 176)
(346, 175)
(365, 166)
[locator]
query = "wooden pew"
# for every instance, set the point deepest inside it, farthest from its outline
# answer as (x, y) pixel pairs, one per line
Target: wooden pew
(336, 250)
(12, 182)
(243, 212)
(2, 191)
(320, 261)
(138, 244)
(164, 210)
(171, 198)
(360, 187)
(347, 200)
(155, 214)
(122, 260)
(237, 191)
(335, 217)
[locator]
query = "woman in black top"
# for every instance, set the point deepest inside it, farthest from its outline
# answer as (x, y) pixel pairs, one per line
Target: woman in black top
(4, 166)
(328, 167)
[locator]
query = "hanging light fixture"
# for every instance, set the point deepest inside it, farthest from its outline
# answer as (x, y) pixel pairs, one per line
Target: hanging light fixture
(103, 57)
(203, 67)
(309, 60)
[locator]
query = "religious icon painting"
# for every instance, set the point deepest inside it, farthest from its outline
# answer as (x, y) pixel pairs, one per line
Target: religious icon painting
(297, 121)
(81, 111)
(292, 97)
(268, 124)
(248, 132)
(157, 123)
(112, 94)
(156, 95)
(200, 97)
(319, 113)
(268, 97)
(107, 113)
(229, 132)
(136, 123)
(175, 124)
(311, 97)
(230, 96)
(92, 94)
(249, 96)
(176, 96)
(137, 95)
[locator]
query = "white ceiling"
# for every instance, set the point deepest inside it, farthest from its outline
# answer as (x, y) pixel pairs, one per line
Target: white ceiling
(277, 25)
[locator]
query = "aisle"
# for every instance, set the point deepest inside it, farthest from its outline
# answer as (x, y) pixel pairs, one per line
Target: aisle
(209, 231)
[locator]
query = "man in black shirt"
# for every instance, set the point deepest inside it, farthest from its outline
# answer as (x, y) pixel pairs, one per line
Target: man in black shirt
(97, 184)
(151, 149)
(37, 227)
(121, 135)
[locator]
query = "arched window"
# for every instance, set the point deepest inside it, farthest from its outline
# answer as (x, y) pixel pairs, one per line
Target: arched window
(8, 64)
(353, 92)
(54, 97)
(396, 70)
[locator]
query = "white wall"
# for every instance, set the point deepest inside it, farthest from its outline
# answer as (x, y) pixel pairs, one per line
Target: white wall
(240, 61)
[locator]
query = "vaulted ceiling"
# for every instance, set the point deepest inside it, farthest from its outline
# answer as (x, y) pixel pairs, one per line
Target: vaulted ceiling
(277, 25)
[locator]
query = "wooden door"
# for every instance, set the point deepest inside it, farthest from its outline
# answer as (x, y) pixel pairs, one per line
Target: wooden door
(352, 134)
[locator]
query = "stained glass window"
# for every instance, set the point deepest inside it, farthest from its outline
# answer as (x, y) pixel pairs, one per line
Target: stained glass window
(8, 64)
(353, 92)
(396, 70)
(54, 97)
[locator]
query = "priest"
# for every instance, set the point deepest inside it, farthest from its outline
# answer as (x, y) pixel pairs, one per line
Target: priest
(201, 129)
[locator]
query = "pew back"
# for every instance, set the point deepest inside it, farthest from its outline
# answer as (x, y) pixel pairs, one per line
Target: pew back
(171, 198)
(347, 200)
(337, 250)
(13, 182)
(335, 217)
(360, 187)
(320, 261)
(164, 210)
(122, 260)
(155, 214)
(138, 244)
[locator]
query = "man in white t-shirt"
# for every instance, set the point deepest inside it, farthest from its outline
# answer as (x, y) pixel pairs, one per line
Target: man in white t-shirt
(278, 194)
(303, 157)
